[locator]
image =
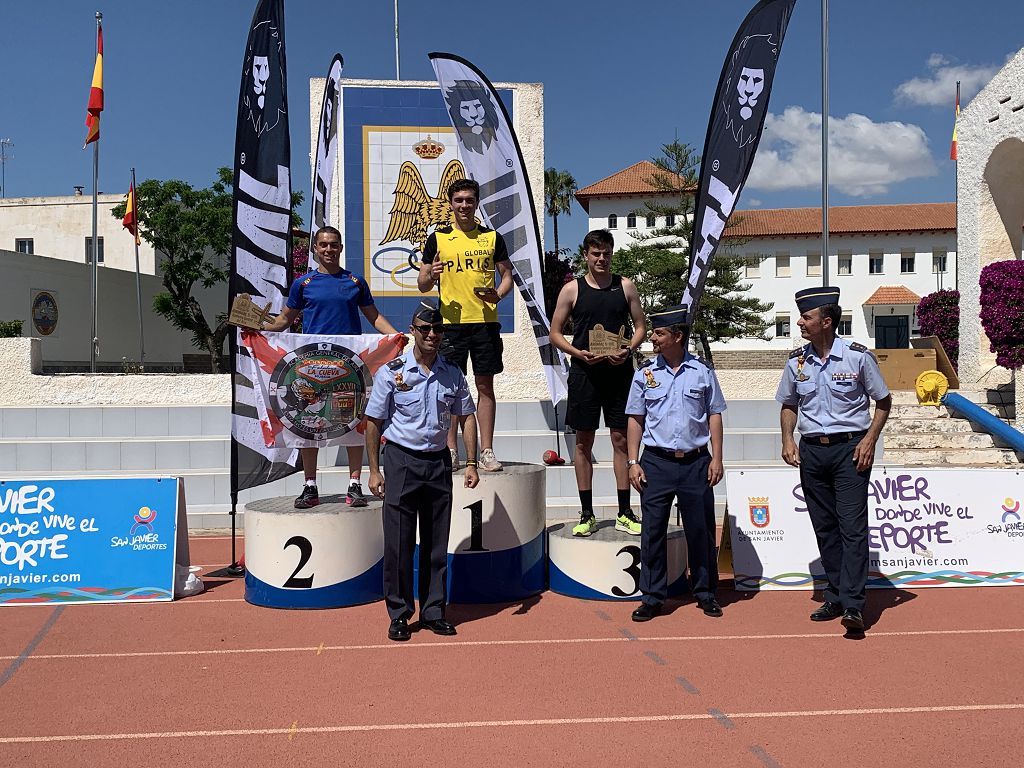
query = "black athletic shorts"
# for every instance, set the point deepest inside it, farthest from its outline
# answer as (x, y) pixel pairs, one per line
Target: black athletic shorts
(595, 389)
(481, 341)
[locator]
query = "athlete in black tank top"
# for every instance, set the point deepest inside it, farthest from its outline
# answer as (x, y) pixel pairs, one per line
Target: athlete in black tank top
(606, 307)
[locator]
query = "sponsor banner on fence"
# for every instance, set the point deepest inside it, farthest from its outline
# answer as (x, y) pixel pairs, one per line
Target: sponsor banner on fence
(87, 541)
(927, 528)
(311, 391)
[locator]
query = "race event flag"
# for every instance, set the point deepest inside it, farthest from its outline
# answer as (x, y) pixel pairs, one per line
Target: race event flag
(326, 153)
(734, 130)
(261, 233)
(311, 391)
(490, 151)
(92, 119)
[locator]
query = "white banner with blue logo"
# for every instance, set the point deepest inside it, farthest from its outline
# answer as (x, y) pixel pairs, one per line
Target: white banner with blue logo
(87, 540)
(927, 528)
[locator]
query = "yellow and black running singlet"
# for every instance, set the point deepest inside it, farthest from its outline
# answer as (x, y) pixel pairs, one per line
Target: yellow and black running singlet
(469, 261)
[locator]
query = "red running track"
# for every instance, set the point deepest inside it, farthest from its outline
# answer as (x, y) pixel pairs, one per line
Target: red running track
(213, 681)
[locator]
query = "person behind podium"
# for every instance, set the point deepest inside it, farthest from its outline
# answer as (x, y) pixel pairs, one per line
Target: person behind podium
(328, 299)
(412, 404)
(675, 409)
(826, 391)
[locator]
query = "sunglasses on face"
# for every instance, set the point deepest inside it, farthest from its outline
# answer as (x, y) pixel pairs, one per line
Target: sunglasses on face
(425, 329)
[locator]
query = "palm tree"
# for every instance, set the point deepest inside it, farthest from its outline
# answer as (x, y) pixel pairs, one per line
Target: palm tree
(559, 187)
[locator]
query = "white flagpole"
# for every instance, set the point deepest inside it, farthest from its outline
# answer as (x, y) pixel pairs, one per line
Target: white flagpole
(138, 278)
(95, 341)
(398, 66)
(824, 142)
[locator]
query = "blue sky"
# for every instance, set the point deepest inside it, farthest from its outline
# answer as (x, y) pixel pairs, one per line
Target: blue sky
(620, 79)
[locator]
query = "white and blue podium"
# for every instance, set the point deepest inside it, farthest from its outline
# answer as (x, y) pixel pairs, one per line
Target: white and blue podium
(606, 564)
(329, 556)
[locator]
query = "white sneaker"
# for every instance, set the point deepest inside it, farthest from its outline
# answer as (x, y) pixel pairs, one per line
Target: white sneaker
(455, 459)
(488, 462)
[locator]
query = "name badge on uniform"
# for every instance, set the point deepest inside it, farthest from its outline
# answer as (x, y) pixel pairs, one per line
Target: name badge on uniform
(400, 384)
(652, 383)
(845, 376)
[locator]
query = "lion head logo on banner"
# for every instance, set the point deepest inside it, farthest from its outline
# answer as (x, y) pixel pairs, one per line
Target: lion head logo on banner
(264, 103)
(745, 84)
(473, 114)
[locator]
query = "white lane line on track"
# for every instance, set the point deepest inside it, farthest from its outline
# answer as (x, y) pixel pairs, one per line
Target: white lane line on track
(369, 728)
(535, 641)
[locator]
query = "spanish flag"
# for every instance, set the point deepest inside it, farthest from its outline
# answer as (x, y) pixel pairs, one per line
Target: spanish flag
(956, 120)
(130, 220)
(92, 120)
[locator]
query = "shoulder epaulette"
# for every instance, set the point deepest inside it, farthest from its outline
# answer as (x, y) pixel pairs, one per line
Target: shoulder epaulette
(703, 362)
(796, 352)
(857, 347)
(397, 363)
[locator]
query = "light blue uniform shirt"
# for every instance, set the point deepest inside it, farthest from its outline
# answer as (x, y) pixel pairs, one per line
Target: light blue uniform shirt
(417, 407)
(834, 396)
(675, 406)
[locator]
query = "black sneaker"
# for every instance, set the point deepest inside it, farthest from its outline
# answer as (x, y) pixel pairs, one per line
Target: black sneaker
(355, 497)
(308, 498)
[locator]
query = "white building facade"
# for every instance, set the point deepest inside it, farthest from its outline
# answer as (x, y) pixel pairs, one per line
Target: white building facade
(884, 258)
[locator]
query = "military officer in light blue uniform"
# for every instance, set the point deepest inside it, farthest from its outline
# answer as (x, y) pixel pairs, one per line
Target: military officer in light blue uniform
(414, 399)
(675, 410)
(825, 393)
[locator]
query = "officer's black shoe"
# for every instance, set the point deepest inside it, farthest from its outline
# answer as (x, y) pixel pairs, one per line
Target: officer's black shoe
(399, 630)
(710, 607)
(308, 498)
(853, 620)
(827, 612)
(439, 626)
(646, 612)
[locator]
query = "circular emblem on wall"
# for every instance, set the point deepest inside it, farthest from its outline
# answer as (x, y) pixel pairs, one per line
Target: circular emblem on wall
(319, 391)
(44, 313)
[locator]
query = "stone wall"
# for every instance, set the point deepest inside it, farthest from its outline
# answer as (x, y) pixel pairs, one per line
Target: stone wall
(750, 359)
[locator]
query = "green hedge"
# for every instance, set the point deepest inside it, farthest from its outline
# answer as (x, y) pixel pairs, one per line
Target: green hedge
(10, 329)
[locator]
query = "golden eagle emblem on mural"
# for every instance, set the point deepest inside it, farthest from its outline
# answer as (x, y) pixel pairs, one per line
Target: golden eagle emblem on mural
(414, 214)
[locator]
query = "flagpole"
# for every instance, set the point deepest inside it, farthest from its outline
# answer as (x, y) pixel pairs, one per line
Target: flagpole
(138, 278)
(824, 142)
(956, 194)
(94, 344)
(398, 68)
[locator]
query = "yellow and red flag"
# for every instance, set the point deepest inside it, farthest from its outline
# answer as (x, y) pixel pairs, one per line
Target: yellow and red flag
(92, 120)
(131, 219)
(956, 120)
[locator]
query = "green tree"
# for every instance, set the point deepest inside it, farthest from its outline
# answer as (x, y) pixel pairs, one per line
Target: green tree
(659, 262)
(191, 231)
(559, 187)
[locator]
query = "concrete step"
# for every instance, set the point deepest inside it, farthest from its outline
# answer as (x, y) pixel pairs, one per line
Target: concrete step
(953, 457)
(894, 441)
(940, 412)
(917, 426)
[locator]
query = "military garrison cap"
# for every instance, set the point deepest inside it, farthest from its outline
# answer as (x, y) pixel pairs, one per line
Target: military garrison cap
(811, 298)
(427, 311)
(677, 315)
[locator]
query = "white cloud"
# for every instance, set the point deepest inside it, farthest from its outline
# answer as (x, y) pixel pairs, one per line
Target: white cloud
(938, 88)
(755, 202)
(864, 157)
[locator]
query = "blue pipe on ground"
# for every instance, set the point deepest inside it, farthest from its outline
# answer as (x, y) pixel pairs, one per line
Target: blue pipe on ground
(987, 421)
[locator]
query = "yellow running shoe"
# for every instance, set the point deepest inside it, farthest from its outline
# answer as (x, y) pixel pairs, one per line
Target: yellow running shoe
(587, 525)
(627, 523)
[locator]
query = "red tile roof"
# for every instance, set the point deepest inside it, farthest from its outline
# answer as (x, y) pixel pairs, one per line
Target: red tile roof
(635, 180)
(843, 220)
(893, 294)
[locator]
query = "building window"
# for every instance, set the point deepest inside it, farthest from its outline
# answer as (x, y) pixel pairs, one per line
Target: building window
(28, 245)
(782, 265)
(670, 220)
(652, 221)
(846, 325)
(907, 259)
(845, 264)
(938, 262)
(631, 221)
(88, 250)
(814, 265)
(876, 262)
(613, 221)
(752, 266)
(782, 328)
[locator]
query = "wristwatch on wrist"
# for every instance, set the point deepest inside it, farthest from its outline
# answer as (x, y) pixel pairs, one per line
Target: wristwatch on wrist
(632, 463)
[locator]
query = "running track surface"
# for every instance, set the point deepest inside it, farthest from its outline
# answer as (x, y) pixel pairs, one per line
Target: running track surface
(213, 681)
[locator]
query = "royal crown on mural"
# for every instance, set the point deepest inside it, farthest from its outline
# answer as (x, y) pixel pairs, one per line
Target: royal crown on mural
(428, 149)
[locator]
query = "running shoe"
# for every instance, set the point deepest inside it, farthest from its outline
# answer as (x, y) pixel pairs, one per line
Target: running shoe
(586, 526)
(627, 523)
(308, 498)
(488, 462)
(355, 497)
